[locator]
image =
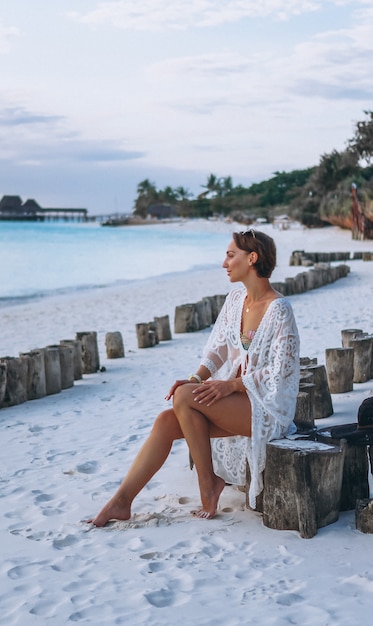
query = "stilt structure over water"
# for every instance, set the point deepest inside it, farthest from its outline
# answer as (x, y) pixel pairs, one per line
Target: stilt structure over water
(13, 209)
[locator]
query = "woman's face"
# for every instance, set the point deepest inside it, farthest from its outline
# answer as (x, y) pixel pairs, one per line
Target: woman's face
(236, 263)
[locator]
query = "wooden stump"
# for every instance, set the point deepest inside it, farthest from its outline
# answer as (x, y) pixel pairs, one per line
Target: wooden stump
(90, 355)
(309, 388)
(204, 313)
(186, 319)
(323, 406)
(16, 381)
(305, 361)
(355, 484)
(362, 347)
(303, 416)
(339, 364)
(153, 329)
(163, 328)
(114, 345)
(146, 338)
(302, 485)
(36, 385)
(217, 302)
(348, 334)
(3, 372)
(364, 515)
(77, 356)
(67, 365)
(52, 370)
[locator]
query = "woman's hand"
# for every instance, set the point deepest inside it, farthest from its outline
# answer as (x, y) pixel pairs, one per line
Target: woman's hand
(212, 390)
(177, 384)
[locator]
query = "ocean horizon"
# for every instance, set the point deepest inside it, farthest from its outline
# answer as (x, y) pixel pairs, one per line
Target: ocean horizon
(44, 259)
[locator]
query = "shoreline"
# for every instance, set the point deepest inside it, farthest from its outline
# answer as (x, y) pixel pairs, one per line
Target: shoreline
(118, 307)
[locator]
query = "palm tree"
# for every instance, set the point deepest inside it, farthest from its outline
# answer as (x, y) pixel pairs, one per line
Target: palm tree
(147, 194)
(182, 193)
(225, 186)
(212, 185)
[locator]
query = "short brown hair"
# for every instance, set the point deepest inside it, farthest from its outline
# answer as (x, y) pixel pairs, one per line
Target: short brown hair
(256, 241)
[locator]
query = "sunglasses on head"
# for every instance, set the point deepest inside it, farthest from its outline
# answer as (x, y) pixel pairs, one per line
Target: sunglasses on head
(250, 231)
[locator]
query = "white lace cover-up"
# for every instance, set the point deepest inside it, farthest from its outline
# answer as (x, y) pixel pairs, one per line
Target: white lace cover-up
(270, 373)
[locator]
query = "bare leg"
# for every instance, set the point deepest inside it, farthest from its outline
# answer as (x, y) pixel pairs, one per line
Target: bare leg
(148, 461)
(198, 422)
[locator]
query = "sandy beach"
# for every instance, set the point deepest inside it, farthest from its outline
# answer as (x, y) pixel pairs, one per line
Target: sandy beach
(64, 455)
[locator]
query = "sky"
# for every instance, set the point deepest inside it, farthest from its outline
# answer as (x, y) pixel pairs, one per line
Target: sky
(96, 96)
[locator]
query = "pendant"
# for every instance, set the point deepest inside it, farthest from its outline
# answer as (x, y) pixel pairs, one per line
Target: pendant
(247, 310)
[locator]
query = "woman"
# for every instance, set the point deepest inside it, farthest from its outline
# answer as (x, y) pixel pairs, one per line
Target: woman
(242, 395)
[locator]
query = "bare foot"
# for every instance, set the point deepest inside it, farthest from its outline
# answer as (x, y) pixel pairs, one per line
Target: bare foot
(113, 510)
(210, 500)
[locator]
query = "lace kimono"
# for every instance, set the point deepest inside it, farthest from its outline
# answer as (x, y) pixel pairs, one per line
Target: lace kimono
(270, 373)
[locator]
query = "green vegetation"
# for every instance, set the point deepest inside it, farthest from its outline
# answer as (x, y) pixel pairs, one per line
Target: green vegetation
(314, 196)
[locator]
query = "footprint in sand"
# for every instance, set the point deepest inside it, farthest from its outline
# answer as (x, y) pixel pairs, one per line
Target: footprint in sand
(43, 497)
(64, 542)
(89, 467)
(185, 500)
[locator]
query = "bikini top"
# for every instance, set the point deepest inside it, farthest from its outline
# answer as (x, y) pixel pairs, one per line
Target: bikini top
(246, 338)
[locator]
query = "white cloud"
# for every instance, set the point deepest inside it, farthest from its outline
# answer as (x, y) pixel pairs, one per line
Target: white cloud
(6, 34)
(154, 15)
(335, 64)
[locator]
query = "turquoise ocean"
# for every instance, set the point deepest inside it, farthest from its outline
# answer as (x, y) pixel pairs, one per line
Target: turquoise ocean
(42, 259)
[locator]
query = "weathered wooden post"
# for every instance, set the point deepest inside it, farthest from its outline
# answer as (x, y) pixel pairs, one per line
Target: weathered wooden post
(303, 417)
(3, 372)
(16, 381)
(348, 334)
(339, 364)
(36, 385)
(363, 364)
(77, 356)
(163, 327)
(309, 389)
(208, 311)
(90, 354)
(305, 361)
(300, 283)
(217, 302)
(355, 469)
(153, 329)
(302, 485)
(186, 319)
(312, 280)
(114, 345)
(323, 406)
(52, 370)
(67, 365)
(146, 337)
(362, 347)
(203, 314)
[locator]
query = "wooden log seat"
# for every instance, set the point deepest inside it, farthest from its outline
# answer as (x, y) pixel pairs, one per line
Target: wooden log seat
(302, 485)
(355, 484)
